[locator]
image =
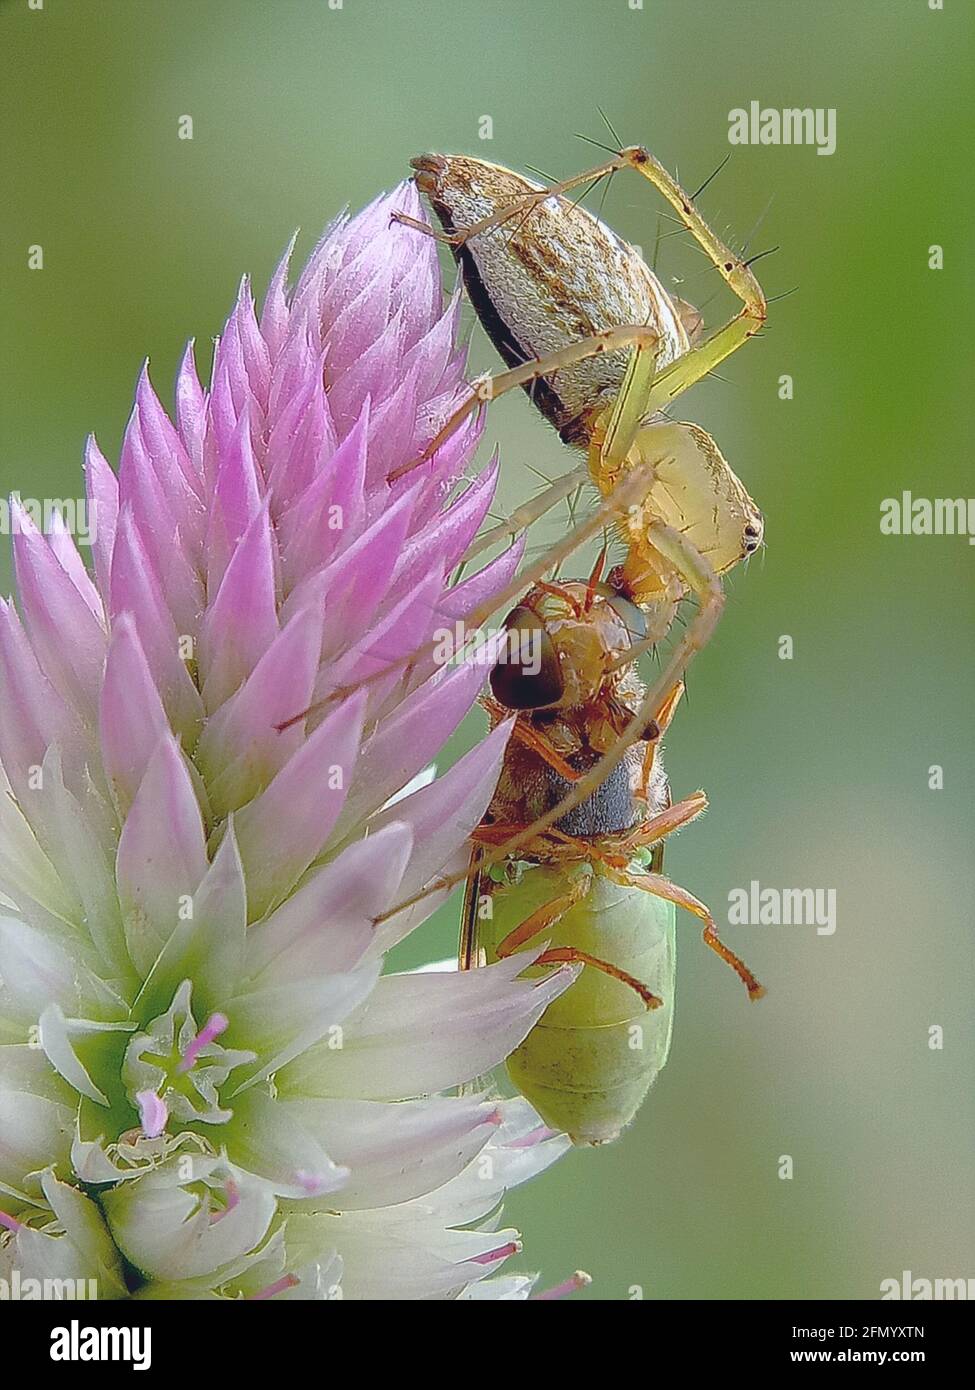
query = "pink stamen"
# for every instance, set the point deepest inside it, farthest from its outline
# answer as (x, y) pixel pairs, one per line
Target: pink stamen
(153, 1113)
(289, 1281)
(11, 1222)
(513, 1247)
(215, 1025)
(579, 1280)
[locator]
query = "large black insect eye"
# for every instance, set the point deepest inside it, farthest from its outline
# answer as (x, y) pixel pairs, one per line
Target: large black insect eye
(527, 675)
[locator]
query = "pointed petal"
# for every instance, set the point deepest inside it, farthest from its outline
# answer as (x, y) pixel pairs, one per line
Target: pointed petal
(327, 925)
(161, 854)
(242, 746)
(207, 945)
(242, 621)
(68, 639)
(101, 487)
(441, 817)
(471, 1021)
(131, 717)
(409, 738)
(284, 828)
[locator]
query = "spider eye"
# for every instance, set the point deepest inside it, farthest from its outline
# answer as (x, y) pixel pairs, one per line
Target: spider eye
(528, 675)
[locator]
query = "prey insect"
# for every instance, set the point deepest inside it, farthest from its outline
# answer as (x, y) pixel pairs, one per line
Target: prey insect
(591, 883)
(603, 350)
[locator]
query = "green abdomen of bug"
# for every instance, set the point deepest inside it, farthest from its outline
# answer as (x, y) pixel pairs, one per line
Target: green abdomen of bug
(593, 1055)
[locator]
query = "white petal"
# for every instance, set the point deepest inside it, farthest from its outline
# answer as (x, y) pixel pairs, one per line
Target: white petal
(34, 1132)
(327, 925)
(268, 1138)
(208, 947)
(424, 1033)
(397, 1151)
(284, 1021)
(35, 969)
(169, 1232)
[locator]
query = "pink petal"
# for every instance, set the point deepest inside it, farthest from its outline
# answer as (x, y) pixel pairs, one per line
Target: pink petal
(286, 827)
(407, 740)
(161, 854)
(191, 402)
(242, 620)
(327, 925)
(242, 747)
(132, 720)
(68, 639)
(274, 313)
(101, 487)
(135, 588)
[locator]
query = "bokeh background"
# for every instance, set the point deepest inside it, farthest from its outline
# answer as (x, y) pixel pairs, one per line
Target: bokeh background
(817, 768)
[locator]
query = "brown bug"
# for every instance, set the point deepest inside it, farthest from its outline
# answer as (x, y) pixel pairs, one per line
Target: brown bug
(591, 884)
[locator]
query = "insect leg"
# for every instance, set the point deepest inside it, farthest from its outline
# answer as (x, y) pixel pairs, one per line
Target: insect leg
(663, 723)
(662, 887)
(520, 206)
(531, 738)
(571, 955)
(469, 953)
(529, 512)
(665, 822)
(488, 388)
(609, 453)
(696, 363)
(700, 577)
(544, 917)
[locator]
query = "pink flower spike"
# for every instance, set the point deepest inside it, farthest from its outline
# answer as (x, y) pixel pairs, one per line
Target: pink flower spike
(221, 777)
(215, 1025)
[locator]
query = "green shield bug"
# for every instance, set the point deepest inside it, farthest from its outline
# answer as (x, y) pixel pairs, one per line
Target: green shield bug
(588, 884)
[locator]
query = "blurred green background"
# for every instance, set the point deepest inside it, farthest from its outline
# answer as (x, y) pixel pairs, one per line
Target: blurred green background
(817, 768)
